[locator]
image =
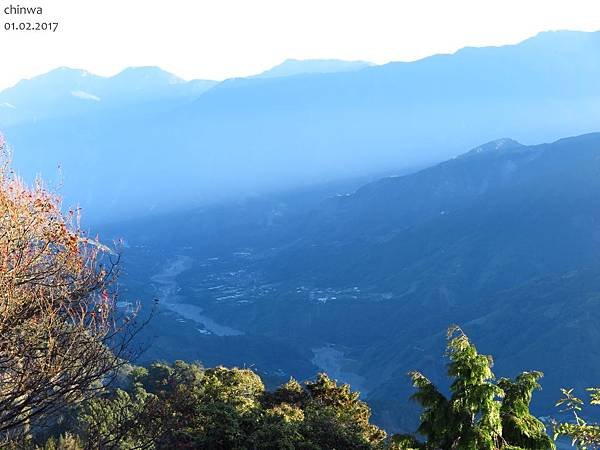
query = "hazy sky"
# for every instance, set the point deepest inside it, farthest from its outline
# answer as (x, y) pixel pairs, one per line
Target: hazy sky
(223, 38)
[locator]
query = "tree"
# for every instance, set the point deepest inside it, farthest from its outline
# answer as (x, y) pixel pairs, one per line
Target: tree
(519, 426)
(66, 441)
(115, 421)
(176, 406)
(186, 406)
(474, 418)
(337, 418)
(60, 335)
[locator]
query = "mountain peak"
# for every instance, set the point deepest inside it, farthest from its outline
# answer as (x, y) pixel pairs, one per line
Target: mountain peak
(59, 75)
(69, 70)
(291, 67)
(497, 146)
(148, 73)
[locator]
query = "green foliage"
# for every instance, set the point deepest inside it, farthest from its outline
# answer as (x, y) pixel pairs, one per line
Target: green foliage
(474, 417)
(291, 393)
(583, 435)
(519, 426)
(405, 442)
(185, 406)
(66, 441)
(113, 422)
(336, 418)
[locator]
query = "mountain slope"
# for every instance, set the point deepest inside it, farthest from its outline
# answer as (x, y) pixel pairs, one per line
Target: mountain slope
(504, 240)
(291, 67)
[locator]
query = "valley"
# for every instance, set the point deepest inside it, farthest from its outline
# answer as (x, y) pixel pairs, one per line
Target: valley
(215, 235)
(365, 292)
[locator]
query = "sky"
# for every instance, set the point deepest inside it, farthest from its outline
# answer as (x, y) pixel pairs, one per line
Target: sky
(218, 39)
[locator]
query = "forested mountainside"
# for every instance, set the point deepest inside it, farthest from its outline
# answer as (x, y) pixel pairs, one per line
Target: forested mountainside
(503, 239)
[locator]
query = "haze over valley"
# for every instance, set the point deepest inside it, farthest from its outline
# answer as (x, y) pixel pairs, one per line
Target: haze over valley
(165, 143)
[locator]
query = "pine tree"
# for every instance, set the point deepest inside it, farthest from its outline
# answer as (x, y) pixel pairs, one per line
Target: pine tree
(474, 418)
(519, 426)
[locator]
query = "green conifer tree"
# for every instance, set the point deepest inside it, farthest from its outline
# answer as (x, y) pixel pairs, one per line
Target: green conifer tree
(474, 417)
(519, 426)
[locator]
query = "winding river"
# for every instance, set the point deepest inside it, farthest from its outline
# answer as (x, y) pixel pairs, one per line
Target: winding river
(167, 292)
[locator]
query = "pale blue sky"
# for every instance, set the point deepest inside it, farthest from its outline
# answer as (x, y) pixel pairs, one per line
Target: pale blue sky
(218, 39)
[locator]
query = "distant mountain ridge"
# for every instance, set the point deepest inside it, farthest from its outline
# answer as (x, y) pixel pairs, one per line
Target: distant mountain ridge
(66, 92)
(134, 85)
(257, 135)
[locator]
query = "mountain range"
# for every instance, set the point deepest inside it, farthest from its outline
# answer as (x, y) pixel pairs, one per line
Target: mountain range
(128, 138)
(327, 215)
(66, 93)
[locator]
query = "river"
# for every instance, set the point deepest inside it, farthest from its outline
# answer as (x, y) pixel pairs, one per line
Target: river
(167, 291)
